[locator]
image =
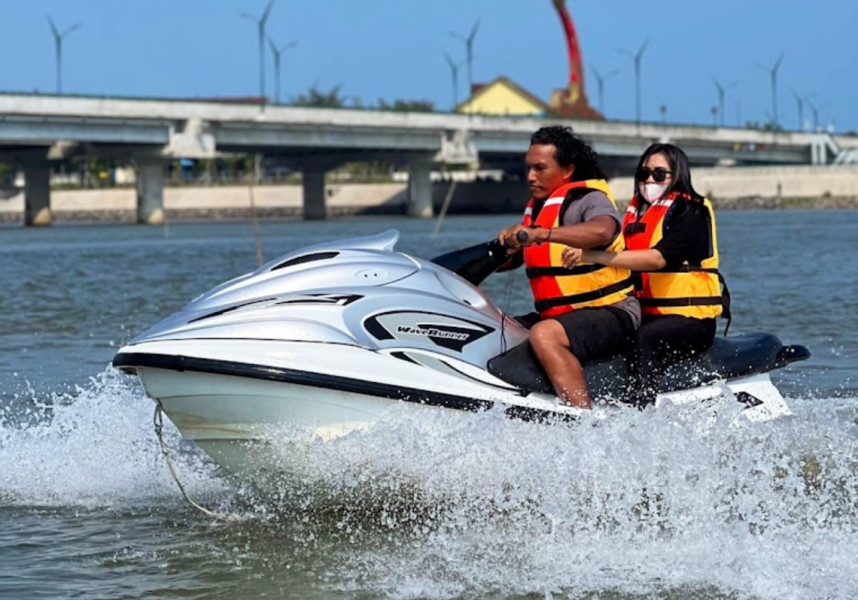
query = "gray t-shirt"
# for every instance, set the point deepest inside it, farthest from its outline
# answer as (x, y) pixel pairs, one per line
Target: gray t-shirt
(590, 205)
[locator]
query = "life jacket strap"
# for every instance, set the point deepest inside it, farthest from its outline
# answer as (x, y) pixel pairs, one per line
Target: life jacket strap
(689, 269)
(534, 272)
(543, 305)
(676, 302)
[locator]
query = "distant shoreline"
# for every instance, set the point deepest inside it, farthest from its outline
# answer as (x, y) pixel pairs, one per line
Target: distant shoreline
(334, 212)
(794, 187)
(483, 197)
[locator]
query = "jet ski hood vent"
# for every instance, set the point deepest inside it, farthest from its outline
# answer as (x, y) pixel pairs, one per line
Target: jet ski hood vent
(365, 261)
(321, 273)
(382, 242)
(342, 292)
(305, 259)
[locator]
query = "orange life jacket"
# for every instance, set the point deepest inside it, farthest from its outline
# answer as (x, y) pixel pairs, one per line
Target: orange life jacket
(556, 289)
(690, 290)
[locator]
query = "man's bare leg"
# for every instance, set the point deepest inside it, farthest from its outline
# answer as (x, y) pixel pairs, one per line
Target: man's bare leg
(551, 345)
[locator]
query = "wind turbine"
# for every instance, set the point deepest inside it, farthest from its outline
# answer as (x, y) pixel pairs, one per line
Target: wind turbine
(636, 57)
(773, 74)
(454, 71)
(278, 52)
(600, 83)
(469, 52)
(800, 102)
(815, 110)
(58, 47)
(260, 23)
(722, 91)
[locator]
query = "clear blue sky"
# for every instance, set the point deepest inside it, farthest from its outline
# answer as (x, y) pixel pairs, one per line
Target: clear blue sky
(393, 49)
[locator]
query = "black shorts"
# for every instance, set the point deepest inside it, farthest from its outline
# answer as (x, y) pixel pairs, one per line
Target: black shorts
(597, 333)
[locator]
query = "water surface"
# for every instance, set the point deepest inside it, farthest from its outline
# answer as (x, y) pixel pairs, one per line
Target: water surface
(665, 504)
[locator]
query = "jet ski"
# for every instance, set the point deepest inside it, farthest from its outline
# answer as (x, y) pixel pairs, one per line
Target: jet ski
(326, 339)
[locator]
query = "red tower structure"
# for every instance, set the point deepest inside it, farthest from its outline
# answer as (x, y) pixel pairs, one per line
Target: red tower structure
(571, 102)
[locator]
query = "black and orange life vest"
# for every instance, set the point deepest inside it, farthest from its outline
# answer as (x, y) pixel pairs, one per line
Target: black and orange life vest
(556, 289)
(690, 290)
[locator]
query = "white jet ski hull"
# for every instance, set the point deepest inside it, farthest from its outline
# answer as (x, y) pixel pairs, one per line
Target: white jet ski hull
(232, 417)
(326, 340)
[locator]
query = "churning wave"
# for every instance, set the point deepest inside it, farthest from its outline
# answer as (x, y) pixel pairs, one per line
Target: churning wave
(429, 504)
(91, 447)
(675, 500)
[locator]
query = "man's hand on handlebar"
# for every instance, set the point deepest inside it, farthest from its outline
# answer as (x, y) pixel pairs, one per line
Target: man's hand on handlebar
(507, 238)
(517, 237)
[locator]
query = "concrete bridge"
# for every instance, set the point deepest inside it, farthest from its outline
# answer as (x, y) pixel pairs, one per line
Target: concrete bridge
(38, 130)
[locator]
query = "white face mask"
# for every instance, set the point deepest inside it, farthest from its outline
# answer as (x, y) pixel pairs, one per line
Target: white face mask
(652, 191)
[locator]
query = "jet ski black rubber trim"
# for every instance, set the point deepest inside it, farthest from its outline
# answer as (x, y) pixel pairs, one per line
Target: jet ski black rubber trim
(791, 354)
(331, 382)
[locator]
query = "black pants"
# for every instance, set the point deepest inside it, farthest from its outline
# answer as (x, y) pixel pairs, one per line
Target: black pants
(594, 333)
(662, 341)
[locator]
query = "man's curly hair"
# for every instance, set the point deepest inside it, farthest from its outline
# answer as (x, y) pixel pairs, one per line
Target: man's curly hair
(570, 150)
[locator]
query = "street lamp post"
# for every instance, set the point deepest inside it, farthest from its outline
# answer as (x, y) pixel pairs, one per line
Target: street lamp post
(600, 83)
(469, 52)
(636, 58)
(722, 91)
(260, 23)
(58, 48)
(773, 75)
(278, 52)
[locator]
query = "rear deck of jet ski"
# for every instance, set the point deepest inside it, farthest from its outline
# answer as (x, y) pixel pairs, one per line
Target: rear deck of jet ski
(729, 357)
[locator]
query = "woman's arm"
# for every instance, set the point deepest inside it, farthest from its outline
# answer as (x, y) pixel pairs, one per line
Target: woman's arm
(634, 260)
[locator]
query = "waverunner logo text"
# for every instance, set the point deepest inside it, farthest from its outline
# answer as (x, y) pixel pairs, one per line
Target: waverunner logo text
(433, 333)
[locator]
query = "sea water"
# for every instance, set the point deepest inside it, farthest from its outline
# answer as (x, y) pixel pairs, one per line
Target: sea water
(672, 503)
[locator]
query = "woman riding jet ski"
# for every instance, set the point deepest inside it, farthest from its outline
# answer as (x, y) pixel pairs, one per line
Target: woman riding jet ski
(327, 338)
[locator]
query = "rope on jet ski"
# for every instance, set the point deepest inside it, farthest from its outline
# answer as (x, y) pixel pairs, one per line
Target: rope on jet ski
(158, 420)
(521, 236)
(507, 296)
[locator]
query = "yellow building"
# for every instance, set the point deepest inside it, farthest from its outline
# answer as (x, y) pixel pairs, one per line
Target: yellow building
(502, 97)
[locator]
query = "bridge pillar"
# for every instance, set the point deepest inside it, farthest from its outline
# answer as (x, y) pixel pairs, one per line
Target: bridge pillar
(419, 188)
(37, 194)
(313, 177)
(149, 173)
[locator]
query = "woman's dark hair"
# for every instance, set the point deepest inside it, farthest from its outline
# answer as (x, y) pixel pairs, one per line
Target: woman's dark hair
(570, 150)
(678, 162)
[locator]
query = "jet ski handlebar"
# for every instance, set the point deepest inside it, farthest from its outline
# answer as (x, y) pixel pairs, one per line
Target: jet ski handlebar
(475, 263)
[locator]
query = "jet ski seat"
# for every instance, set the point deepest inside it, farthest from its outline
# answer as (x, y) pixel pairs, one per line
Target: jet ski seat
(728, 357)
